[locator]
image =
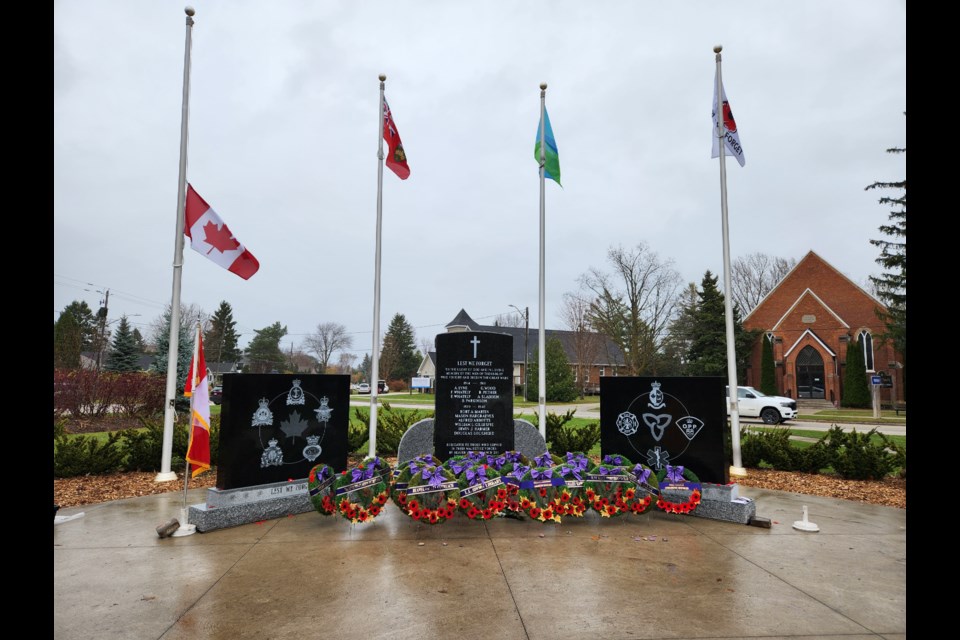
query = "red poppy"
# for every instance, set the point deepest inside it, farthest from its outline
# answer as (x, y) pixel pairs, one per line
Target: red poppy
(433, 517)
(413, 504)
(382, 498)
(611, 510)
(487, 514)
(473, 512)
(402, 498)
(547, 514)
(450, 512)
(501, 493)
(374, 510)
(524, 504)
(564, 497)
(464, 503)
(534, 512)
(591, 494)
(629, 493)
(542, 492)
(597, 505)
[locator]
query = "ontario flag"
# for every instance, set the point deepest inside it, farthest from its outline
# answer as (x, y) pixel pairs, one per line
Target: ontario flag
(210, 237)
(396, 157)
(731, 136)
(197, 388)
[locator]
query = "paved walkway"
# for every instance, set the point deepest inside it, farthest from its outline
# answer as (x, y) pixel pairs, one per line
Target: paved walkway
(655, 575)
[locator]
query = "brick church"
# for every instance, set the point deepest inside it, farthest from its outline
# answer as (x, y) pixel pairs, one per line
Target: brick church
(812, 316)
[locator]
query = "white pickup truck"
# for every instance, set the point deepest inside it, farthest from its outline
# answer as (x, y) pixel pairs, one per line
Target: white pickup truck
(771, 409)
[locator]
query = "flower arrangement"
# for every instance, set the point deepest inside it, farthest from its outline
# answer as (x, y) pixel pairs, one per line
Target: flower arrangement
(569, 498)
(402, 475)
(432, 495)
(320, 485)
(361, 492)
(483, 494)
(458, 464)
(538, 492)
(677, 480)
(506, 465)
(610, 489)
(647, 492)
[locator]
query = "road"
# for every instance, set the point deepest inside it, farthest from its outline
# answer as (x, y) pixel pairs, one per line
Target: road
(593, 411)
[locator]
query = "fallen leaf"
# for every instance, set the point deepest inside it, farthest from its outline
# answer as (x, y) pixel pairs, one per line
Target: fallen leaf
(420, 544)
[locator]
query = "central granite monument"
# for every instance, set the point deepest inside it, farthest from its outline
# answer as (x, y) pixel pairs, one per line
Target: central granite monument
(474, 406)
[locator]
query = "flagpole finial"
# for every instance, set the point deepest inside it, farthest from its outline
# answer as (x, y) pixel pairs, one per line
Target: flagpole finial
(718, 48)
(189, 11)
(543, 86)
(383, 77)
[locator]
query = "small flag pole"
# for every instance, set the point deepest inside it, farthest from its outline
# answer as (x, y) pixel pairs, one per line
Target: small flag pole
(737, 469)
(186, 528)
(541, 364)
(166, 474)
(375, 352)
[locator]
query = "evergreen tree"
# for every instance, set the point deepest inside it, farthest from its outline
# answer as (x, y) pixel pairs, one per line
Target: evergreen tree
(364, 368)
(892, 285)
(67, 341)
(123, 354)
(184, 351)
(768, 374)
(708, 348)
(399, 358)
(708, 343)
(263, 353)
(559, 376)
(856, 391)
(139, 341)
(220, 342)
(75, 334)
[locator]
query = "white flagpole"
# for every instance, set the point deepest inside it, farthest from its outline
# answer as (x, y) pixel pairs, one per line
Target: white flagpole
(375, 352)
(169, 414)
(541, 364)
(737, 468)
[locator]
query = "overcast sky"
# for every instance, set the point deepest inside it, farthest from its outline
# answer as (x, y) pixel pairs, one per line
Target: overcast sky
(283, 137)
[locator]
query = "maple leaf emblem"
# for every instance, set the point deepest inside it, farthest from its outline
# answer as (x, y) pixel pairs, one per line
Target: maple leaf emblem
(219, 237)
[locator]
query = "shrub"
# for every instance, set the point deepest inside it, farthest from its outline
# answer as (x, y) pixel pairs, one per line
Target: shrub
(83, 455)
(563, 437)
(391, 425)
(85, 394)
(357, 435)
(143, 448)
(396, 386)
(856, 456)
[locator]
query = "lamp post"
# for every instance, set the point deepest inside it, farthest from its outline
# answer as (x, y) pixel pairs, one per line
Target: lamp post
(526, 340)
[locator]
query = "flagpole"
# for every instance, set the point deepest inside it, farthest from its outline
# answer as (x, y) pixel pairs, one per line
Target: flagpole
(375, 357)
(541, 358)
(169, 409)
(737, 468)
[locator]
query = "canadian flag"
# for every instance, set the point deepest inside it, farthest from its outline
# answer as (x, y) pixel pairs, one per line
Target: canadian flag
(210, 237)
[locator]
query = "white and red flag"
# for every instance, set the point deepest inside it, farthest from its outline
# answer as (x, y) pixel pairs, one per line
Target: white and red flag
(730, 135)
(197, 388)
(210, 237)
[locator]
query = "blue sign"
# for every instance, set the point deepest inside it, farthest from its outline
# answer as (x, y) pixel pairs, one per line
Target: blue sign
(876, 380)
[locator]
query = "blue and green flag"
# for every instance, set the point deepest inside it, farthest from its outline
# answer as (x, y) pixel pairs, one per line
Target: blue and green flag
(552, 168)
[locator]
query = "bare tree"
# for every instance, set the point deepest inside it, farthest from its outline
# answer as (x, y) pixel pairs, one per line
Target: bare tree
(754, 276)
(345, 363)
(328, 338)
(575, 313)
(426, 345)
(634, 304)
(190, 315)
(509, 320)
(300, 361)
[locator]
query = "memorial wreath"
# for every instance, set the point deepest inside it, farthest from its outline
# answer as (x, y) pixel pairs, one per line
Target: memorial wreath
(402, 475)
(432, 495)
(320, 485)
(483, 493)
(677, 480)
(610, 489)
(361, 492)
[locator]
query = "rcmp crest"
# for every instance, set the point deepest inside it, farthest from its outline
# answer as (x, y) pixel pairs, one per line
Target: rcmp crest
(272, 455)
(295, 395)
(263, 417)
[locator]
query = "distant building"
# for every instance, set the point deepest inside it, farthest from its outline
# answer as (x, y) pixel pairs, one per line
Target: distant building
(812, 316)
(604, 357)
